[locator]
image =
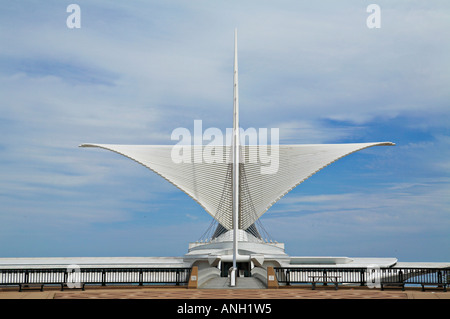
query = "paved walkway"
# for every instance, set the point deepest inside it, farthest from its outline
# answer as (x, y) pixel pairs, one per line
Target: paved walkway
(243, 283)
(183, 293)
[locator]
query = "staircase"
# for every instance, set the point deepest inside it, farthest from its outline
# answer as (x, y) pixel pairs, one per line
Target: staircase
(241, 283)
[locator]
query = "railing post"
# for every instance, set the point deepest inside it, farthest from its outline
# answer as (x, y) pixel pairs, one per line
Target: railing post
(25, 280)
(288, 277)
(401, 279)
(103, 277)
(363, 277)
(65, 278)
(447, 279)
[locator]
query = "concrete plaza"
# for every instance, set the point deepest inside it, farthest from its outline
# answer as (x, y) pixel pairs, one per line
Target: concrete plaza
(184, 293)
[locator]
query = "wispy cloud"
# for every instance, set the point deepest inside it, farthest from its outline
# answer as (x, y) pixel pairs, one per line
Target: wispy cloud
(381, 223)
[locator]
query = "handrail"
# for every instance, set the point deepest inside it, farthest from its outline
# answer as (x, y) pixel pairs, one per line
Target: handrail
(103, 276)
(370, 276)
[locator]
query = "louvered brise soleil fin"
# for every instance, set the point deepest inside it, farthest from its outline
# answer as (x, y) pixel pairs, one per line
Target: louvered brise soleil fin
(267, 173)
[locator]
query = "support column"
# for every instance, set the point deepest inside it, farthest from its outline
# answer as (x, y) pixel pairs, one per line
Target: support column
(272, 282)
(193, 278)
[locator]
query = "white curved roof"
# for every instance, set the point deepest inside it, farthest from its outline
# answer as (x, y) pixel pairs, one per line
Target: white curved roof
(210, 184)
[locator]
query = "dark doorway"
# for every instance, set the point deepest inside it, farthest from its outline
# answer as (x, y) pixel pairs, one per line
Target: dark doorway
(243, 269)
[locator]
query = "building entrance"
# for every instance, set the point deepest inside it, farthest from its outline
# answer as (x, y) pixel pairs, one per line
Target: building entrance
(244, 269)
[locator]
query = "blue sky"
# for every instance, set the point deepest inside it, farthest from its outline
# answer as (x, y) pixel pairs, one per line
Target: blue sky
(136, 70)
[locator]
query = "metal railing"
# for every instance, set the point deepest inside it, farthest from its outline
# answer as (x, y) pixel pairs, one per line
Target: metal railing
(371, 276)
(79, 277)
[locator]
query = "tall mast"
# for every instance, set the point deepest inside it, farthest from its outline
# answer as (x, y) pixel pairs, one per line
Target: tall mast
(235, 145)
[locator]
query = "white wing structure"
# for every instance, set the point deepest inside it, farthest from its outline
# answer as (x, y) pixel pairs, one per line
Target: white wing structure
(237, 182)
(210, 184)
